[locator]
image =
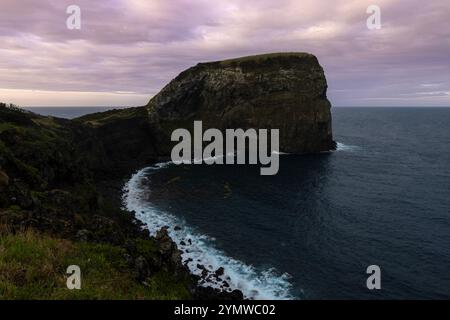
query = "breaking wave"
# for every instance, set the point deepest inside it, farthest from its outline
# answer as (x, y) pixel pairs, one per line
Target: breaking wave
(199, 251)
(345, 147)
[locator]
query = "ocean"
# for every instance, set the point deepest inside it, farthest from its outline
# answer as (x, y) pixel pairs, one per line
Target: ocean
(68, 112)
(310, 232)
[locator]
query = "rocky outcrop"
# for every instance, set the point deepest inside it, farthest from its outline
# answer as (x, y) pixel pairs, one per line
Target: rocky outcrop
(53, 171)
(285, 91)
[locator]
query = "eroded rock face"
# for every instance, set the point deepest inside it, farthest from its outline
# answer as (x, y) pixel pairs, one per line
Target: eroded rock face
(285, 91)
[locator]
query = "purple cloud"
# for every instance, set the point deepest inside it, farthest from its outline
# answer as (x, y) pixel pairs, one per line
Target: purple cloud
(137, 46)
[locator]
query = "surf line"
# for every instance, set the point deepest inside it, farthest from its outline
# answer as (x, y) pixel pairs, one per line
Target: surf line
(235, 141)
(253, 282)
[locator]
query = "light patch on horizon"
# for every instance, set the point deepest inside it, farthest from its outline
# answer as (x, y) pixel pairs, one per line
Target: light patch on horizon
(39, 98)
(128, 50)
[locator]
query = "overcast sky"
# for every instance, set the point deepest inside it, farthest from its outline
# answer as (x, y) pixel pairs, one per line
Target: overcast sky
(127, 50)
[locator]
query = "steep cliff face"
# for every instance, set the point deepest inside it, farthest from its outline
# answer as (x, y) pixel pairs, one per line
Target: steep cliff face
(285, 91)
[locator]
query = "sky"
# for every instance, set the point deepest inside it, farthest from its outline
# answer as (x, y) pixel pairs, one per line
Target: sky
(127, 50)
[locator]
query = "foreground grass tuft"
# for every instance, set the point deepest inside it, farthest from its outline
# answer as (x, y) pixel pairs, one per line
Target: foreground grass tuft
(33, 266)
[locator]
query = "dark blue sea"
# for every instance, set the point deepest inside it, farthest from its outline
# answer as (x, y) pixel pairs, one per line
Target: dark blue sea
(68, 112)
(310, 232)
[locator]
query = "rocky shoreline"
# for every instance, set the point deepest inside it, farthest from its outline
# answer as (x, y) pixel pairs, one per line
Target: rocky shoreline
(63, 178)
(170, 251)
(49, 183)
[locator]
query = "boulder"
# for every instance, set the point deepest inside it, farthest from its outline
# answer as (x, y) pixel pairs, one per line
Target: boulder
(83, 235)
(142, 268)
(219, 272)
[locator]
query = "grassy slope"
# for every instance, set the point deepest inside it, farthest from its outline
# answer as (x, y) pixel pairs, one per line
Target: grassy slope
(102, 118)
(33, 266)
(47, 188)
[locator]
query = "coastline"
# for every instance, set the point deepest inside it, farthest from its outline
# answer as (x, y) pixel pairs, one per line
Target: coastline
(113, 192)
(58, 174)
(210, 266)
(61, 188)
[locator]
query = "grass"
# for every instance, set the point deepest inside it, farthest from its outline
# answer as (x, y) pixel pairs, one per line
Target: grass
(48, 122)
(51, 187)
(5, 126)
(110, 116)
(261, 57)
(33, 266)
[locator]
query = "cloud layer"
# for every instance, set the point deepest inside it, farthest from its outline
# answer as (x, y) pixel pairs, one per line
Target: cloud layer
(127, 50)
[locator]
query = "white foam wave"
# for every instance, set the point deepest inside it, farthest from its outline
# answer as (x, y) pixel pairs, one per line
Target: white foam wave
(345, 147)
(199, 250)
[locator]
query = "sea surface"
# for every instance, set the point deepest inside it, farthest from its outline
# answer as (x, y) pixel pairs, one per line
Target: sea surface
(68, 112)
(311, 231)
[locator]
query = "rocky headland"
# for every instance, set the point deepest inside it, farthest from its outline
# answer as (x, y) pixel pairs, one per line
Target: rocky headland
(61, 180)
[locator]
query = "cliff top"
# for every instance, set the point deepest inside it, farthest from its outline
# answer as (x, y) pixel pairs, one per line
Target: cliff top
(259, 59)
(264, 56)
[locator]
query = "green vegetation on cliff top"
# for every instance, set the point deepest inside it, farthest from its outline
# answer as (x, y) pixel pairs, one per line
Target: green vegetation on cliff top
(262, 57)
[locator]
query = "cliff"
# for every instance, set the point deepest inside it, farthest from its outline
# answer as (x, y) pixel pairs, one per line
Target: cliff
(53, 214)
(285, 91)
(60, 189)
(60, 180)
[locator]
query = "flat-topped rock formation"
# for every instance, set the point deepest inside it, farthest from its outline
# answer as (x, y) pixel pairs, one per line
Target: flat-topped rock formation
(285, 91)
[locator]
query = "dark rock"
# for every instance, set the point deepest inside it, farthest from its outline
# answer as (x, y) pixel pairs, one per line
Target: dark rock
(129, 259)
(169, 253)
(182, 243)
(83, 235)
(177, 228)
(219, 272)
(236, 295)
(162, 234)
(141, 268)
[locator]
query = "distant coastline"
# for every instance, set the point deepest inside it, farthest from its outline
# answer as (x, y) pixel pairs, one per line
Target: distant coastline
(69, 112)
